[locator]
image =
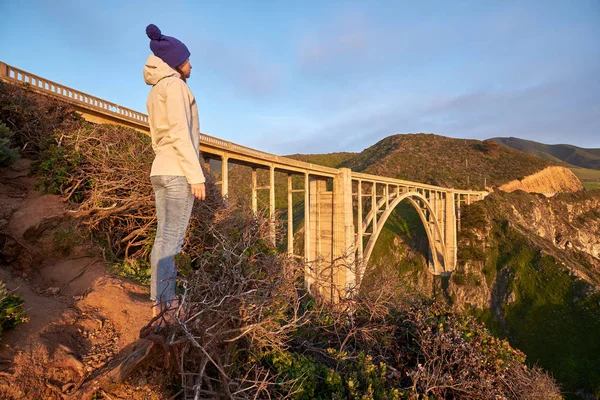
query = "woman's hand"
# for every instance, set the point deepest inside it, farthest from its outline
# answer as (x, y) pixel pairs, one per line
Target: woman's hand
(199, 190)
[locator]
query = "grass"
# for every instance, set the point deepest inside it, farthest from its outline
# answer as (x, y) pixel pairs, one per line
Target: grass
(589, 177)
(551, 319)
(586, 174)
(591, 185)
(65, 240)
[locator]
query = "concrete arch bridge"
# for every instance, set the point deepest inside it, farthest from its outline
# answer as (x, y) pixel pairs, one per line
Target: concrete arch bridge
(344, 211)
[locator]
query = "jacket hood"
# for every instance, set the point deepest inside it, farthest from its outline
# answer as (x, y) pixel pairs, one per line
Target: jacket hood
(156, 69)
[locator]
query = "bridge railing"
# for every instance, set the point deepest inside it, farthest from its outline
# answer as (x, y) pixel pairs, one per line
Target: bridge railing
(393, 181)
(10, 73)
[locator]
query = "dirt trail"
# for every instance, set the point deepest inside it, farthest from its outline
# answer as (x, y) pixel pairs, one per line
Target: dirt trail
(81, 316)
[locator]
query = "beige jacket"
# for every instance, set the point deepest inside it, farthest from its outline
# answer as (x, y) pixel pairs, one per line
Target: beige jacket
(174, 124)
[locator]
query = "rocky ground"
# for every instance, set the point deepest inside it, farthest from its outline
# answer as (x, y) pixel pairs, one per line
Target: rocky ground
(82, 319)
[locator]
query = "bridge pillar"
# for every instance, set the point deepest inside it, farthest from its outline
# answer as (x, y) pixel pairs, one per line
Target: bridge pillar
(331, 233)
(224, 176)
(344, 268)
(449, 233)
(320, 237)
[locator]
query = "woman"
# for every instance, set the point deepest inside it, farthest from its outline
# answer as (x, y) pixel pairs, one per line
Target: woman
(176, 175)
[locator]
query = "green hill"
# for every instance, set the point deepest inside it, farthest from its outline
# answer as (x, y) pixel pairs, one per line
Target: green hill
(566, 153)
(438, 160)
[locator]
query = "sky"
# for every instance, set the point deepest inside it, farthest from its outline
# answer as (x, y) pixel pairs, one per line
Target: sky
(326, 76)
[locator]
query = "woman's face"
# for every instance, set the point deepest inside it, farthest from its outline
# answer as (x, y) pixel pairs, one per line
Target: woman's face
(186, 68)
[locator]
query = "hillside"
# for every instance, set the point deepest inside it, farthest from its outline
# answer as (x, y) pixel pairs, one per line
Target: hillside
(439, 160)
(333, 160)
(529, 266)
(572, 155)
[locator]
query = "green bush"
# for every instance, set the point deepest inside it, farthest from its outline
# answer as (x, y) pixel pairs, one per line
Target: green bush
(8, 155)
(65, 240)
(359, 378)
(459, 278)
(11, 309)
(56, 164)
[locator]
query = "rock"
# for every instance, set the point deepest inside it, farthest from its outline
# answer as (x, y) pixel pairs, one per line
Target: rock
(53, 291)
(511, 298)
(67, 386)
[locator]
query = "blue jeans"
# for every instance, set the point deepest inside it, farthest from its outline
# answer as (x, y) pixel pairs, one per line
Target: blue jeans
(174, 202)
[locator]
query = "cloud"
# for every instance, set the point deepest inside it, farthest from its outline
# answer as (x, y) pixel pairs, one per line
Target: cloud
(563, 110)
(347, 36)
(560, 111)
(246, 69)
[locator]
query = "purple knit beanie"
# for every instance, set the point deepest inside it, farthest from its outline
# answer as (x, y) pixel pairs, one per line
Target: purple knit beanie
(167, 48)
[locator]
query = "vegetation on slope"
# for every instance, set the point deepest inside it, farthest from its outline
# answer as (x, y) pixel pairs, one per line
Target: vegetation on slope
(589, 177)
(11, 309)
(438, 160)
(562, 153)
(333, 160)
(545, 290)
(528, 267)
(269, 337)
(444, 161)
(7, 153)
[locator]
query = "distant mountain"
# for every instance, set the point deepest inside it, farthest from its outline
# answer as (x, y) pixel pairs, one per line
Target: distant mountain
(438, 160)
(561, 153)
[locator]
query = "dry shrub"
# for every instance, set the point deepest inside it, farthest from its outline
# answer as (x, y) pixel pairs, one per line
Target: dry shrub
(239, 299)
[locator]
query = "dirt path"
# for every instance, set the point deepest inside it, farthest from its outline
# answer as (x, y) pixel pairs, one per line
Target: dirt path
(81, 316)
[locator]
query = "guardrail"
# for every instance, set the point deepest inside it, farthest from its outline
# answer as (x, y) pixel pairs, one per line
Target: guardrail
(12, 74)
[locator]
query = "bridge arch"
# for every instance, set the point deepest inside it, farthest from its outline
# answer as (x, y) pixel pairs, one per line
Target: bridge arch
(427, 215)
